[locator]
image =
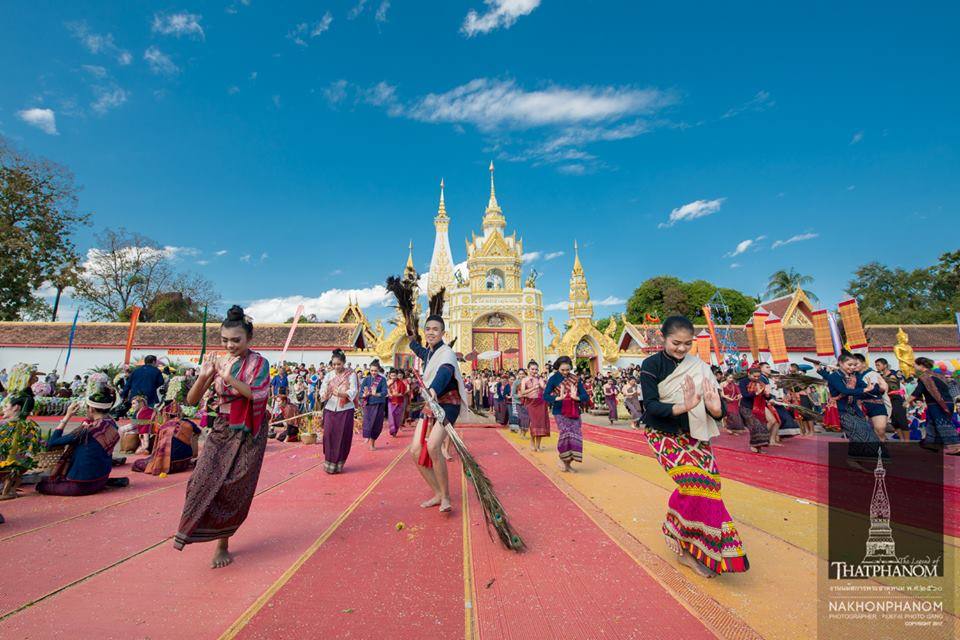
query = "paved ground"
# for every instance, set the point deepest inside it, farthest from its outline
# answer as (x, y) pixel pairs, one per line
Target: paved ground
(353, 556)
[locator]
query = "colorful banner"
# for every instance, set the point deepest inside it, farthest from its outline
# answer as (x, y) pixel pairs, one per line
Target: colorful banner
(203, 336)
(707, 313)
(773, 329)
(293, 327)
(852, 325)
(134, 318)
(759, 330)
(73, 330)
(703, 346)
(751, 339)
(821, 333)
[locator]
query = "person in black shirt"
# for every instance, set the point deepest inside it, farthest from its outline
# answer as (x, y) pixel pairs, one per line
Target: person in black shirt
(144, 381)
(683, 413)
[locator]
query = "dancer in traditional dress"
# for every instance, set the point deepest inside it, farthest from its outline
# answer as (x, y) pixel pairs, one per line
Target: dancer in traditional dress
(441, 375)
(502, 400)
(935, 392)
(531, 394)
(523, 417)
(895, 399)
(224, 481)
(337, 393)
(875, 402)
(848, 388)
(374, 394)
(396, 401)
(755, 411)
(566, 394)
(684, 411)
(730, 393)
(631, 400)
(87, 461)
(610, 397)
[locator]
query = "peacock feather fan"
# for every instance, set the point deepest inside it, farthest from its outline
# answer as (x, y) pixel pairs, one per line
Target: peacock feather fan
(405, 292)
(436, 302)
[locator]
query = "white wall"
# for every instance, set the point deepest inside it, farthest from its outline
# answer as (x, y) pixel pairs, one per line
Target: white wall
(82, 360)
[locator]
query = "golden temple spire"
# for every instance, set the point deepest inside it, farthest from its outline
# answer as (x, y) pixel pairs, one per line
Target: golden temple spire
(492, 205)
(410, 268)
(580, 305)
(493, 218)
(442, 209)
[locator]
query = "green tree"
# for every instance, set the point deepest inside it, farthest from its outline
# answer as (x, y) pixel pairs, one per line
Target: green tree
(664, 296)
(785, 282)
(38, 215)
(128, 269)
(897, 296)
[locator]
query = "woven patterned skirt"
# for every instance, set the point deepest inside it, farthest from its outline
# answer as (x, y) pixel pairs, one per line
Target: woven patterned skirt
(223, 484)
(570, 440)
(697, 520)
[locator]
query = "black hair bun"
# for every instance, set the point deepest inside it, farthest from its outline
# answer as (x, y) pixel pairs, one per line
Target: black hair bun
(235, 313)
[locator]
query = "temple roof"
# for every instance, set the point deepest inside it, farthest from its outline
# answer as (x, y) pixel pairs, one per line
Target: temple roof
(794, 308)
(106, 335)
(927, 337)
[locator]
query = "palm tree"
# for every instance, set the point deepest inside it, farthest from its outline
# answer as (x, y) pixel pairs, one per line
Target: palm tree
(783, 283)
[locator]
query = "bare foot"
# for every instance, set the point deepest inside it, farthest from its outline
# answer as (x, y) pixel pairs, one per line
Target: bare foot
(222, 556)
(688, 560)
(432, 502)
(445, 505)
(775, 444)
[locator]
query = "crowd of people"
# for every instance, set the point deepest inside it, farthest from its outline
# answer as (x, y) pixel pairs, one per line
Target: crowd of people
(679, 401)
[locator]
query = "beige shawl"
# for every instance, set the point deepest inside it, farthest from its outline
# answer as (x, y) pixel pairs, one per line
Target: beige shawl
(703, 426)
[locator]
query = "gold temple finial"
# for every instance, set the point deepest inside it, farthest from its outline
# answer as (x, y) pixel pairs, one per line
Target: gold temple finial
(442, 209)
(492, 205)
(577, 267)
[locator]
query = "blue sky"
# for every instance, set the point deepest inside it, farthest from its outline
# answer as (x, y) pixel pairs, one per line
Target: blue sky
(306, 140)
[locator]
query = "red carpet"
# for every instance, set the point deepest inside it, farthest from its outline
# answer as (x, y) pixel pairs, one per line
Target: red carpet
(574, 582)
(369, 577)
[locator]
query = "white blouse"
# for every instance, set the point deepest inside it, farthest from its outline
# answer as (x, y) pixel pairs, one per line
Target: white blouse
(333, 404)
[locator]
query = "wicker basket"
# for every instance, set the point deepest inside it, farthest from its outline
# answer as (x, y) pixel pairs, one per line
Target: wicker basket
(308, 438)
(129, 442)
(47, 460)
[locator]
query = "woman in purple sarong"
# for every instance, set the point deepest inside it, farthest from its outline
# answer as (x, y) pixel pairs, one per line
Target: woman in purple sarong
(221, 489)
(373, 390)
(337, 393)
(610, 396)
(565, 393)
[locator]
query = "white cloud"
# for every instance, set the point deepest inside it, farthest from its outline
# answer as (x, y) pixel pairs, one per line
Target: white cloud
(97, 43)
(203, 263)
(743, 245)
(178, 24)
(233, 90)
(382, 94)
(222, 252)
(572, 169)
(381, 15)
(276, 101)
(735, 265)
(302, 31)
(95, 70)
(609, 301)
(356, 10)
(692, 211)
(797, 238)
(327, 306)
(264, 256)
(490, 104)
(253, 75)
(160, 63)
(531, 256)
(552, 255)
(108, 98)
(336, 91)
(174, 252)
(556, 306)
(245, 257)
(857, 137)
(43, 119)
(499, 13)
(760, 102)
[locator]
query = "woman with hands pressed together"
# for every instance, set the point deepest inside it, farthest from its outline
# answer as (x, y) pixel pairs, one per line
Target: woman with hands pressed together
(683, 412)
(222, 486)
